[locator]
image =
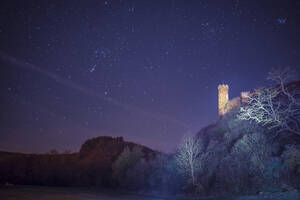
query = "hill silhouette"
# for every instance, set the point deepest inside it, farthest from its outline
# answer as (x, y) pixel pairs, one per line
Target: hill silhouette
(92, 165)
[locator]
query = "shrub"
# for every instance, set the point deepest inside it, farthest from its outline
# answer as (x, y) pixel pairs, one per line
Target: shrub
(291, 159)
(127, 160)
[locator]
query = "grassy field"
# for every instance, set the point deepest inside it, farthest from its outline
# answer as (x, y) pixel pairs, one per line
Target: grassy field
(61, 193)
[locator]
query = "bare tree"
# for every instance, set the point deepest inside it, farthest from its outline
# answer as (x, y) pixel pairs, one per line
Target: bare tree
(186, 158)
(276, 107)
(67, 151)
(53, 152)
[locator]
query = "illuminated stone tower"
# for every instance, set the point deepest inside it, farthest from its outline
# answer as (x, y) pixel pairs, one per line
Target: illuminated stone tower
(223, 99)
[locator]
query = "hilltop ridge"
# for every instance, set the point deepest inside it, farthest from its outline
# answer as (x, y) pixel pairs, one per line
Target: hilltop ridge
(242, 156)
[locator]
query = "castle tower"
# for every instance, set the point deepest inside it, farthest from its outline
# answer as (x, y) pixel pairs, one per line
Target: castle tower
(223, 99)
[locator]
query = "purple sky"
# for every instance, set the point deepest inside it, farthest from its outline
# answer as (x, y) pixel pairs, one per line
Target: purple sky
(144, 70)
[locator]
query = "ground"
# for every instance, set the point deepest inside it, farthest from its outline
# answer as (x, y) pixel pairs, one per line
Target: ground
(61, 193)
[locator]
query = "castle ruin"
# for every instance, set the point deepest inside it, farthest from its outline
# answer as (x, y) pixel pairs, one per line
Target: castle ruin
(226, 105)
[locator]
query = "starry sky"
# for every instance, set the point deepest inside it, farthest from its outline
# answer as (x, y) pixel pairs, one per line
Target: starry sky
(145, 70)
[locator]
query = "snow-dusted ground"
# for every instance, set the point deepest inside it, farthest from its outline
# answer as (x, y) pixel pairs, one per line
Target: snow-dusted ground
(61, 193)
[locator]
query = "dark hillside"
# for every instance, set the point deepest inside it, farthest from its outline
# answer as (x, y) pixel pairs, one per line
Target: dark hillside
(91, 166)
(242, 156)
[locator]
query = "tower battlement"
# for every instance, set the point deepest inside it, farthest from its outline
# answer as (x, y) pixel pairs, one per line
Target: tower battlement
(222, 86)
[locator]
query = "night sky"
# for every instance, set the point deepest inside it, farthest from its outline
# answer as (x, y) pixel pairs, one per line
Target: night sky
(147, 70)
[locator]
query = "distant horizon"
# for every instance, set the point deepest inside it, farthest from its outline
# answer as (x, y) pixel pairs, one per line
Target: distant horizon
(61, 151)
